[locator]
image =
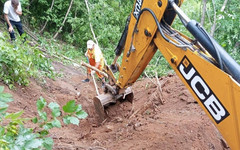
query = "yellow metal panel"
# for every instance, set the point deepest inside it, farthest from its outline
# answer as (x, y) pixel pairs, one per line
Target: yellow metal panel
(133, 65)
(215, 91)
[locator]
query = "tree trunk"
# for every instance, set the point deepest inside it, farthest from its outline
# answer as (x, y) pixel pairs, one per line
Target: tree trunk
(204, 9)
(65, 18)
(86, 2)
(224, 5)
(45, 24)
(214, 19)
(213, 29)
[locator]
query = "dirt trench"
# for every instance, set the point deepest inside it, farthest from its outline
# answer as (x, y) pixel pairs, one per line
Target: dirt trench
(145, 124)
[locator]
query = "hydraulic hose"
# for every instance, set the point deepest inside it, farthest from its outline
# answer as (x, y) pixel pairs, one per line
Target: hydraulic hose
(122, 41)
(225, 61)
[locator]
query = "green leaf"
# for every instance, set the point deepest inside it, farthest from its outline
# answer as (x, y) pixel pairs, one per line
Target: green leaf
(20, 121)
(66, 120)
(44, 133)
(5, 97)
(79, 107)
(56, 123)
(34, 143)
(3, 106)
(48, 126)
(55, 109)
(35, 120)
(3, 109)
(1, 89)
(41, 103)
(43, 115)
(26, 138)
(3, 141)
(81, 114)
(74, 120)
(48, 143)
(14, 116)
(70, 107)
(2, 131)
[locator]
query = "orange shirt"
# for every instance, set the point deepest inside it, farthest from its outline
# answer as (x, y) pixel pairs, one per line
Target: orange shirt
(95, 55)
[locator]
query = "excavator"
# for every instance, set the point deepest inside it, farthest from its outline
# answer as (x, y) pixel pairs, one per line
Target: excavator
(207, 70)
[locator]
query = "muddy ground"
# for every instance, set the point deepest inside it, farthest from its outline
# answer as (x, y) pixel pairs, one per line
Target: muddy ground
(145, 124)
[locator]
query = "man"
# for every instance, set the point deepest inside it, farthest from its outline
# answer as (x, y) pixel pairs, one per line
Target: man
(95, 58)
(12, 10)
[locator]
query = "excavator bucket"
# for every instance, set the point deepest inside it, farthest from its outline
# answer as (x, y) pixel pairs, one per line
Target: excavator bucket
(103, 100)
(100, 102)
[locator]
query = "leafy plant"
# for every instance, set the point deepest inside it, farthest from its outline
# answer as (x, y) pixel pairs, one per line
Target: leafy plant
(70, 113)
(13, 134)
(19, 61)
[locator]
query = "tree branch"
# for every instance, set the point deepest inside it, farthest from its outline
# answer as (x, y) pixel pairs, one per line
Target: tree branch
(86, 2)
(224, 5)
(65, 18)
(45, 24)
(204, 8)
(214, 19)
(213, 29)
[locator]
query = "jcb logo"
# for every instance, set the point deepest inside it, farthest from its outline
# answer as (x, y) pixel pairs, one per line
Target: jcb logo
(202, 90)
(137, 8)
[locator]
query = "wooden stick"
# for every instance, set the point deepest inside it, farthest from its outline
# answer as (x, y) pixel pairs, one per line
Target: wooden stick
(94, 68)
(159, 89)
(95, 84)
(158, 85)
(94, 36)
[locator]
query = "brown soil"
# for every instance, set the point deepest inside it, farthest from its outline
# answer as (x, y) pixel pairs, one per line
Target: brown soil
(145, 124)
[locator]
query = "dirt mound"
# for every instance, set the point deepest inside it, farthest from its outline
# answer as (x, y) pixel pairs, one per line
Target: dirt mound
(146, 124)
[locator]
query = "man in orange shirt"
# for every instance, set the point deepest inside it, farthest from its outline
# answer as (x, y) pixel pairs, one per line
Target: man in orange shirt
(95, 58)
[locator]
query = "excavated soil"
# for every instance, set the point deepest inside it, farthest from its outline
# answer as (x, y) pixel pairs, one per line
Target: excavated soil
(166, 118)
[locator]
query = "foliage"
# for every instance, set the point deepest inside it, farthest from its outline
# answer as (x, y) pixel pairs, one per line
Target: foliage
(108, 20)
(13, 134)
(57, 48)
(19, 61)
(228, 21)
(158, 64)
(107, 17)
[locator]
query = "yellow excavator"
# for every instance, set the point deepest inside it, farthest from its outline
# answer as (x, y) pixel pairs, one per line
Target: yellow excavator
(207, 70)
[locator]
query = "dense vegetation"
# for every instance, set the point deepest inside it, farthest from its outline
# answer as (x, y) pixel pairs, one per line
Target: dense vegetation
(69, 21)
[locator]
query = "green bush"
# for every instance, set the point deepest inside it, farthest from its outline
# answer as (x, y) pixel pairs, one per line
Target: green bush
(19, 61)
(13, 134)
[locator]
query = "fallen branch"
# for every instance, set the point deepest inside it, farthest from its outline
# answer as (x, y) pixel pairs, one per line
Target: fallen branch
(159, 91)
(145, 106)
(158, 85)
(94, 68)
(149, 78)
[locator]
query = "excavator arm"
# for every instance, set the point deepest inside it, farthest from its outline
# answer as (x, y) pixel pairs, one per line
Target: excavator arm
(209, 73)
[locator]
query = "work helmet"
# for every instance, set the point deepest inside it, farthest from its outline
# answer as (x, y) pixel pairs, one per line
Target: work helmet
(90, 44)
